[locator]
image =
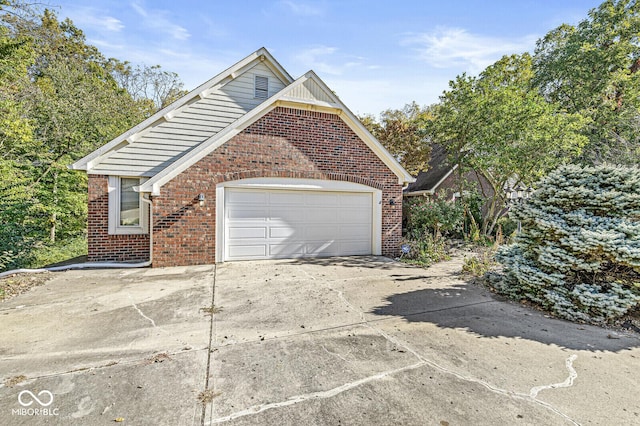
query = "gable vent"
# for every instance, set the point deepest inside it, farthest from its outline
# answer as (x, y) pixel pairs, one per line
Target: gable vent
(261, 87)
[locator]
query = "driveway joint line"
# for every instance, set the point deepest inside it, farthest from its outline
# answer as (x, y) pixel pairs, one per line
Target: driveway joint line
(210, 346)
(109, 364)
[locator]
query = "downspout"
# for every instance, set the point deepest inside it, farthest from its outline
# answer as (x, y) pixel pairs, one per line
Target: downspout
(97, 265)
(150, 203)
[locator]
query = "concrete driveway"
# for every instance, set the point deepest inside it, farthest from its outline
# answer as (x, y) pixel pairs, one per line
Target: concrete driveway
(347, 341)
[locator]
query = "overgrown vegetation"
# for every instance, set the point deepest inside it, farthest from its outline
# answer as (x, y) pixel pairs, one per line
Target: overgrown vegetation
(578, 254)
(60, 99)
(431, 223)
(436, 217)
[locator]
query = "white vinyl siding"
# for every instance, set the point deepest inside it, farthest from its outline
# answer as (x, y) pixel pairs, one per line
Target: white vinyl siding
(164, 142)
(128, 214)
(269, 224)
(242, 88)
(310, 91)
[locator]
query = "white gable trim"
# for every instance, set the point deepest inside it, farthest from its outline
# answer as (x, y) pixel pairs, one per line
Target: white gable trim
(261, 55)
(154, 184)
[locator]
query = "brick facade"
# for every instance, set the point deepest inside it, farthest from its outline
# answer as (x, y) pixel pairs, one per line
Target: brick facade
(284, 143)
(102, 246)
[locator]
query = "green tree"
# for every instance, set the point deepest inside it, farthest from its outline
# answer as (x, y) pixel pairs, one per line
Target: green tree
(401, 132)
(592, 69)
(75, 106)
(496, 125)
(59, 100)
(150, 84)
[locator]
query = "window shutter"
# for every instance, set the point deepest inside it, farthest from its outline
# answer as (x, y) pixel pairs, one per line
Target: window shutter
(261, 87)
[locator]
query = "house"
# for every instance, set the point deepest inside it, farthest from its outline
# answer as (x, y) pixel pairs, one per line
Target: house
(250, 165)
(441, 178)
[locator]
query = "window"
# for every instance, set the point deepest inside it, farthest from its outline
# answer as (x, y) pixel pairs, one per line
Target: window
(128, 214)
(129, 203)
(261, 87)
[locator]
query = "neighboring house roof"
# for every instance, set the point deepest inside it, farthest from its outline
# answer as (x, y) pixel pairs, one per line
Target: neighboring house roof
(427, 182)
(175, 138)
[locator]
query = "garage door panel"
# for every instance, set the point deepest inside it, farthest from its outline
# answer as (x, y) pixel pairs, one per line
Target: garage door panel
(258, 251)
(356, 248)
(322, 232)
(354, 216)
(247, 232)
(353, 231)
(259, 214)
(292, 214)
(321, 215)
(273, 223)
(287, 249)
(325, 248)
(322, 199)
(284, 232)
(250, 197)
(282, 198)
(356, 200)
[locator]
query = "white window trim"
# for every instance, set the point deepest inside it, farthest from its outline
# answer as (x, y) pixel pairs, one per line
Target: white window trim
(114, 210)
(301, 185)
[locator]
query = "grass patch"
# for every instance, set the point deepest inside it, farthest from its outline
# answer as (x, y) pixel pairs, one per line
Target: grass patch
(60, 252)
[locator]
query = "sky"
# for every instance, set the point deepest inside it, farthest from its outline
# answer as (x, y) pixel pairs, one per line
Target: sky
(374, 54)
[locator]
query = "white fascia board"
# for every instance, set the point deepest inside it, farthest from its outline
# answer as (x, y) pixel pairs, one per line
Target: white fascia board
(123, 172)
(433, 190)
(310, 105)
(104, 151)
(418, 193)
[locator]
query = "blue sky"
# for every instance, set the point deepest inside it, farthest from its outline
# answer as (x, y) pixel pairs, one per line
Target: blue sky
(374, 54)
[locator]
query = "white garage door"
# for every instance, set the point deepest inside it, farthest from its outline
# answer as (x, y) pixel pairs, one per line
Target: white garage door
(269, 224)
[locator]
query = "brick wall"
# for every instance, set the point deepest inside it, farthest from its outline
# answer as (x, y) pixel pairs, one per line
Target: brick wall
(285, 143)
(102, 246)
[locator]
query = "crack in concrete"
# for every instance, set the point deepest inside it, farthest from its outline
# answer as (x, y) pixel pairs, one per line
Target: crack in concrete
(533, 393)
(458, 375)
(422, 361)
(153, 323)
(296, 399)
(337, 355)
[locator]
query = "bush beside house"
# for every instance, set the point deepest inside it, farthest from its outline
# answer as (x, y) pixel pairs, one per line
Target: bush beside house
(578, 254)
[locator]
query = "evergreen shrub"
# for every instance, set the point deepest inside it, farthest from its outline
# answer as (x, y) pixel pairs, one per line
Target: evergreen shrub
(578, 254)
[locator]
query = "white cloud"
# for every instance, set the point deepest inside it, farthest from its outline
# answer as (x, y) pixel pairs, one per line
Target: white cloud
(88, 17)
(456, 47)
(157, 20)
(302, 9)
(327, 60)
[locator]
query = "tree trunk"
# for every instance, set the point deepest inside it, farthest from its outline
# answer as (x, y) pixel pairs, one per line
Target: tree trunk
(54, 216)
